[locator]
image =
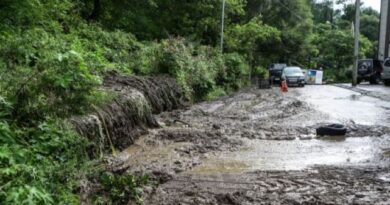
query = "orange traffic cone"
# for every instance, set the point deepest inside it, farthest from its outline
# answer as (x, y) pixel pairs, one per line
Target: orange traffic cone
(284, 86)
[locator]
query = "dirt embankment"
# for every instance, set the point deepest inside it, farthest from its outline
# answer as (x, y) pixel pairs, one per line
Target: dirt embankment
(121, 122)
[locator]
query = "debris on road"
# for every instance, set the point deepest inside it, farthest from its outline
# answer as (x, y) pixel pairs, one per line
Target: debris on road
(332, 130)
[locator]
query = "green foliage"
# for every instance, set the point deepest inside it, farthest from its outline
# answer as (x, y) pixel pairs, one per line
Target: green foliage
(248, 37)
(152, 19)
(198, 69)
(261, 72)
(53, 54)
(121, 188)
(194, 70)
(49, 75)
(146, 59)
(216, 93)
(107, 50)
(335, 46)
(234, 74)
(39, 166)
(25, 14)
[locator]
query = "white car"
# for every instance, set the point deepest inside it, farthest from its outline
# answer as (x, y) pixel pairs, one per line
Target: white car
(294, 76)
(386, 72)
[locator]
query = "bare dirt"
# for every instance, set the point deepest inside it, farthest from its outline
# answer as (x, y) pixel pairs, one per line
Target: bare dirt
(320, 185)
(259, 147)
(136, 99)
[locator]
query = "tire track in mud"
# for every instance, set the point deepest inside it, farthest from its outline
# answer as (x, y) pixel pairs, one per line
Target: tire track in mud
(219, 126)
(323, 185)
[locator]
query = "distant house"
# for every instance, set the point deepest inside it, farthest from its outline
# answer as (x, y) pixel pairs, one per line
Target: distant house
(384, 36)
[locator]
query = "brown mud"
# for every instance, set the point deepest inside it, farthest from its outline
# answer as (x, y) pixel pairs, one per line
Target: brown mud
(118, 124)
(259, 147)
(320, 185)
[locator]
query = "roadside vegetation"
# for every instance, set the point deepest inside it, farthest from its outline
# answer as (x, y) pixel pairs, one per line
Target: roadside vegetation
(53, 54)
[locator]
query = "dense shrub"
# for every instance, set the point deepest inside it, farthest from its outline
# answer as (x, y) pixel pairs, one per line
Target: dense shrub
(235, 72)
(198, 69)
(114, 50)
(43, 73)
(39, 165)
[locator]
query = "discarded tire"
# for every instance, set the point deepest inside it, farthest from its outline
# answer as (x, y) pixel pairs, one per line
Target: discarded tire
(332, 130)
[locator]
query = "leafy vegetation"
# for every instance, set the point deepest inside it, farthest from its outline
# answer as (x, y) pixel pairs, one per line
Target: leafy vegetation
(121, 188)
(332, 39)
(40, 165)
(53, 54)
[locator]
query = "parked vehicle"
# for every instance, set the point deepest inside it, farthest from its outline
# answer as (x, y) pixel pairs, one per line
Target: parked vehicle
(370, 70)
(294, 76)
(386, 72)
(275, 72)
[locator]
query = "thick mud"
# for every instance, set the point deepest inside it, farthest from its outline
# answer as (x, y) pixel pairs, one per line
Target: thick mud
(260, 147)
(118, 124)
(320, 185)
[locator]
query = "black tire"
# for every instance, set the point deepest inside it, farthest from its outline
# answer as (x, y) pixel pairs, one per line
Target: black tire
(387, 82)
(332, 130)
(271, 80)
(359, 81)
(375, 79)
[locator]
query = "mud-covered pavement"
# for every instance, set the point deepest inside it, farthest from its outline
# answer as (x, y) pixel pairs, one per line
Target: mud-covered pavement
(260, 147)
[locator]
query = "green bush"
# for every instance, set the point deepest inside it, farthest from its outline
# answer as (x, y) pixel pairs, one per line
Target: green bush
(216, 93)
(198, 69)
(121, 188)
(235, 72)
(194, 67)
(260, 72)
(114, 50)
(145, 59)
(45, 76)
(40, 166)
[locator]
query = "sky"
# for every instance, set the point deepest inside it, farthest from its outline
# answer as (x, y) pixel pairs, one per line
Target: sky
(376, 4)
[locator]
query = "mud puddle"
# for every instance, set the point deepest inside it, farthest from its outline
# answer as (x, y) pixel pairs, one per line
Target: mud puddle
(260, 147)
(267, 155)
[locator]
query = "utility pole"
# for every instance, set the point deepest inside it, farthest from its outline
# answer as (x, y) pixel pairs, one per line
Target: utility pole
(222, 23)
(356, 52)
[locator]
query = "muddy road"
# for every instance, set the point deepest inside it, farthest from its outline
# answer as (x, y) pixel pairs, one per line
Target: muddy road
(260, 147)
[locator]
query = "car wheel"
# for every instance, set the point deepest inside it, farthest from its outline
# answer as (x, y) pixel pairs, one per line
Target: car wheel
(271, 80)
(375, 79)
(387, 82)
(332, 130)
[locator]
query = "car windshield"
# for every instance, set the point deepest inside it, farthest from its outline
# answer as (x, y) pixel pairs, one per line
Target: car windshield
(292, 70)
(366, 63)
(278, 66)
